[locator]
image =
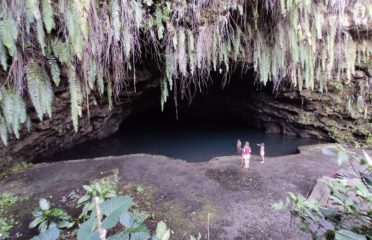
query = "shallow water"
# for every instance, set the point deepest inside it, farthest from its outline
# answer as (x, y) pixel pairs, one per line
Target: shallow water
(192, 140)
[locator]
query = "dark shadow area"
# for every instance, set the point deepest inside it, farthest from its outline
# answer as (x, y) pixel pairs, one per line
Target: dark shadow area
(206, 128)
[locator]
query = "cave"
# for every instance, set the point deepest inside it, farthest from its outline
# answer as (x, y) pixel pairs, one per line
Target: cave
(202, 127)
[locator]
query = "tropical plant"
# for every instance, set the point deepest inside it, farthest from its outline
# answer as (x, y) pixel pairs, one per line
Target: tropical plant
(7, 200)
(103, 189)
(345, 213)
(114, 212)
(48, 217)
(5, 228)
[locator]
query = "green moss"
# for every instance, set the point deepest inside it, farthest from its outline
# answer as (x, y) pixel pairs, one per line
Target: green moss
(368, 140)
(19, 167)
(306, 118)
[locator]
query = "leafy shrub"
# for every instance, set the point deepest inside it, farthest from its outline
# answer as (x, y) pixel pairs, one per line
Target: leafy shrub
(47, 217)
(347, 213)
(103, 189)
(7, 200)
(114, 212)
(5, 227)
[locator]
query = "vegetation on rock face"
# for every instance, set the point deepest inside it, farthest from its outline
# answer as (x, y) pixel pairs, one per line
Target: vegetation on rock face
(97, 44)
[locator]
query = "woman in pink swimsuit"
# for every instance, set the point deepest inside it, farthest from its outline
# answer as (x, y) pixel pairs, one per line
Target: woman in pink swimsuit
(246, 155)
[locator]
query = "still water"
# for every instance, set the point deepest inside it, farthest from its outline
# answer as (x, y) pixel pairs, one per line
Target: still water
(193, 140)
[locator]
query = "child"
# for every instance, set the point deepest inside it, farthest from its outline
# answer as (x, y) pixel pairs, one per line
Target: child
(238, 146)
(246, 155)
(262, 151)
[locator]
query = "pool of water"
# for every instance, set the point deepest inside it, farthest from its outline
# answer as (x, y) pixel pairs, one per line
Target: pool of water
(190, 140)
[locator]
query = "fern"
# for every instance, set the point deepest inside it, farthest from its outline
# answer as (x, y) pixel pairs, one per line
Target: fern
(3, 57)
(14, 111)
(182, 56)
(47, 14)
(54, 70)
(73, 27)
(34, 11)
(116, 23)
(75, 97)
(100, 82)
(191, 50)
(137, 13)
(62, 51)
(40, 89)
(8, 32)
(3, 130)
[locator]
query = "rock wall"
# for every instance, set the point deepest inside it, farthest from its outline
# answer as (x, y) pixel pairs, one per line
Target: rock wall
(333, 115)
(56, 134)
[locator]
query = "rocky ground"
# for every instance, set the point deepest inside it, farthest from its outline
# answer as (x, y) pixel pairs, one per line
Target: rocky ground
(184, 194)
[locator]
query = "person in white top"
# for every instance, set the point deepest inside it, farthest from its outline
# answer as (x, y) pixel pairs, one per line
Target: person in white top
(238, 147)
(262, 151)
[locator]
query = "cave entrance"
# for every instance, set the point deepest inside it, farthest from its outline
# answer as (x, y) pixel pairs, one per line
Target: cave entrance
(206, 128)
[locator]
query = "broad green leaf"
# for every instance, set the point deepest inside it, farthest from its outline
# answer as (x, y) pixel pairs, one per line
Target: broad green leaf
(348, 235)
(162, 232)
(126, 219)
(36, 222)
(113, 204)
(49, 234)
(87, 230)
(83, 199)
(44, 204)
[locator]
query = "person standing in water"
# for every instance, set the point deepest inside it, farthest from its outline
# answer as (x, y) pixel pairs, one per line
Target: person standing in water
(262, 151)
(246, 155)
(238, 147)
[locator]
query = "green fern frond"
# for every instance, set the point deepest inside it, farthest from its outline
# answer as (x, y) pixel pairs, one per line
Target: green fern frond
(40, 35)
(191, 50)
(3, 130)
(32, 7)
(62, 51)
(75, 97)
(3, 57)
(40, 89)
(137, 13)
(14, 111)
(8, 32)
(116, 22)
(74, 30)
(48, 15)
(54, 70)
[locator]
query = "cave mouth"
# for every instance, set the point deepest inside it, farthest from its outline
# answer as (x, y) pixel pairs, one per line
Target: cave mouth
(208, 127)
